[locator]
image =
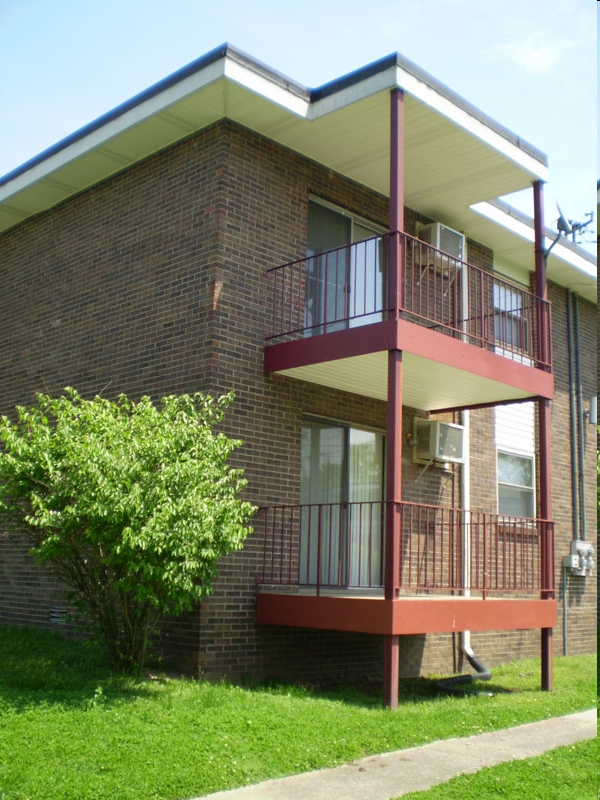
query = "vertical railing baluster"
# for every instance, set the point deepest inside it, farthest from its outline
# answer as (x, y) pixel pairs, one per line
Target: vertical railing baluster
(272, 539)
(518, 536)
(296, 311)
(382, 543)
(263, 512)
(342, 535)
(319, 532)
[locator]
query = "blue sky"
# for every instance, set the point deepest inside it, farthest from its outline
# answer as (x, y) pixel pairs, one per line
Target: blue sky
(529, 64)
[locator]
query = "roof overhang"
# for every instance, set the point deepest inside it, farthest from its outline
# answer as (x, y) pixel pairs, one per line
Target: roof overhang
(454, 155)
(456, 158)
(510, 234)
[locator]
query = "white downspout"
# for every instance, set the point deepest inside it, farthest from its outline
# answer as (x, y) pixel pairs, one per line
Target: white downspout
(465, 502)
(483, 673)
(465, 484)
(465, 636)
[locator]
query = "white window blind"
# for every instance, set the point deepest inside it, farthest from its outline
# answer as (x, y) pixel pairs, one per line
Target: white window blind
(515, 447)
(515, 428)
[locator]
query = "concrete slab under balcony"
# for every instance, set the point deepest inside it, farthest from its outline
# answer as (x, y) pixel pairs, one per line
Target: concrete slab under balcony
(439, 371)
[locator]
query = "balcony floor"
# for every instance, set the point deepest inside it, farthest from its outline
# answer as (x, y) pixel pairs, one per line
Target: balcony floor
(371, 613)
(439, 372)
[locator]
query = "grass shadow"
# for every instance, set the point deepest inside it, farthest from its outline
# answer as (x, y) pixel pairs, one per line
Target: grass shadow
(365, 694)
(45, 668)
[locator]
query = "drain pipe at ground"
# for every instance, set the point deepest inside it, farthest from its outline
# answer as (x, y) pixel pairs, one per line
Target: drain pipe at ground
(482, 672)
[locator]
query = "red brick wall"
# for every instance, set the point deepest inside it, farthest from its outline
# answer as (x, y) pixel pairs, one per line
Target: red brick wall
(28, 594)
(580, 593)
(109, 292)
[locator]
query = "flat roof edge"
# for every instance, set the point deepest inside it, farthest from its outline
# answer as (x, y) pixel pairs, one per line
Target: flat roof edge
(227, 51)
(398, 60)
(224, 51)
(511, 211)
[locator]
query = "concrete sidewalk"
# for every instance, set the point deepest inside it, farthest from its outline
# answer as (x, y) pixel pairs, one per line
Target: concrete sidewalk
(394, 774)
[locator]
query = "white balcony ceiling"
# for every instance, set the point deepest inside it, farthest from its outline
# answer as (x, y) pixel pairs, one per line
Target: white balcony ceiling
(423, 387)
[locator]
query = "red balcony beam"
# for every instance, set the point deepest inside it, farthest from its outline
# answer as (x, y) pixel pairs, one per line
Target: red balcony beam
(303, 352)
(431, 344)
(405, 615)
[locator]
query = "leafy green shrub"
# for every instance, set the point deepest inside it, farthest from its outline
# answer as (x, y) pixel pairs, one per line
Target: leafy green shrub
(131, 505)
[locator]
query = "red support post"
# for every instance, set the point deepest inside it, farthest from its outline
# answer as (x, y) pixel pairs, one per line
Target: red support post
(547, 558)
(391, 665)
(393, 475)
(395, 276)
(391, 670)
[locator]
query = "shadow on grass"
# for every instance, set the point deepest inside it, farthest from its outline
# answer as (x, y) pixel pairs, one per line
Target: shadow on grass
(41, 667)
(369, 695)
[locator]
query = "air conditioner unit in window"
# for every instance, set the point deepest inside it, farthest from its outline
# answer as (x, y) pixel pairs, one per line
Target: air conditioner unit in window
(434, 440)
(443, 238)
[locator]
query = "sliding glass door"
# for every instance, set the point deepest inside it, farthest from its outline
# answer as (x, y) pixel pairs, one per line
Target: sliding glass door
(365, 494)
(366, 304)
(327, 272)
(344, 279)
(341, 494)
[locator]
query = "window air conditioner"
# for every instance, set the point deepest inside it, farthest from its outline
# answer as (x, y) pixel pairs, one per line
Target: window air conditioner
(443, 238)
(438, 441)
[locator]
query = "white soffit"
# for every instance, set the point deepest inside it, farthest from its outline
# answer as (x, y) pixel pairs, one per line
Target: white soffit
(414, 86)
(422, 387)
(100, 135)
(470, 123)
(511, 234)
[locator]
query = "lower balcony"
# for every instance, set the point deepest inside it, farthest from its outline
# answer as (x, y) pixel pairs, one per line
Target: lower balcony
(323, 567)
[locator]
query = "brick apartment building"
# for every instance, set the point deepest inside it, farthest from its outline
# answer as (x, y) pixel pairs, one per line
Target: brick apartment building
(414, 371)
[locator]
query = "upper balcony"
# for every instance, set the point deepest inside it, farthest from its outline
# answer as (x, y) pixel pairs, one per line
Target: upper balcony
(469, 337)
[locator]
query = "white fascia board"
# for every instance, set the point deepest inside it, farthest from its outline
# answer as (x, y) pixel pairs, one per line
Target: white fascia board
(580, 262)
(104, 132)
(266, 88)
(512, 224)
(461, 117)
(382, 81)
(527, 232)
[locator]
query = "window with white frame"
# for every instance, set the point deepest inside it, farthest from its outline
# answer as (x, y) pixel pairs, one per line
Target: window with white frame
(510, 323)
(515, 459)
(515, 485)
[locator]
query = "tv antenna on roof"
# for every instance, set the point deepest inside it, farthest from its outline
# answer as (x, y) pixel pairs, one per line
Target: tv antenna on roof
(569, 227)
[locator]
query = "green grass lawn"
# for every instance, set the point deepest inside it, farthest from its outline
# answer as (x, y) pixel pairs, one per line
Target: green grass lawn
(70, 729)
(567, 773)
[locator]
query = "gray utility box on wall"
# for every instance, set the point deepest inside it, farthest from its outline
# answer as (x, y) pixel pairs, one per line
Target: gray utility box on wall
(580, 561)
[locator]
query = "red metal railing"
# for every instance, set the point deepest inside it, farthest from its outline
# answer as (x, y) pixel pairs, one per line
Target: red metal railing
(347, 287)
(341, 545)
